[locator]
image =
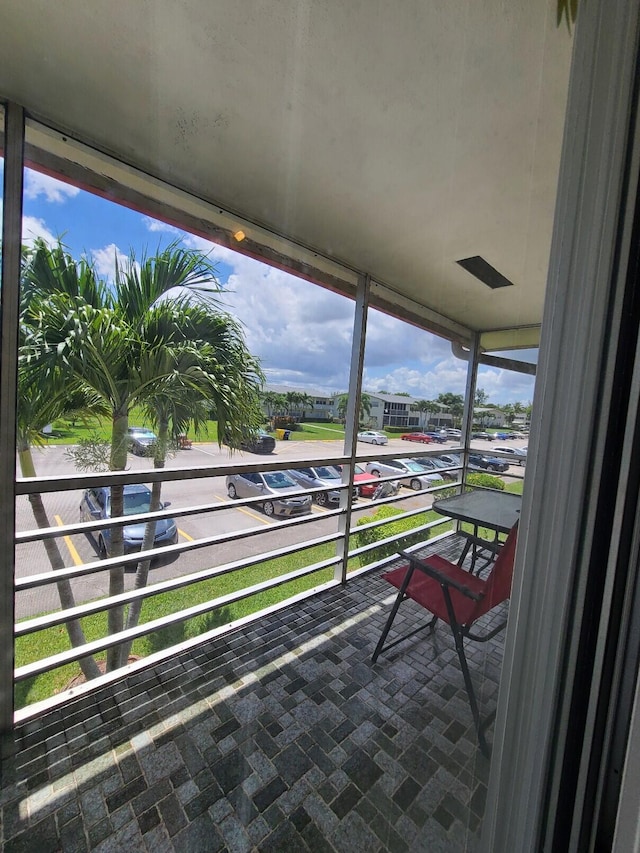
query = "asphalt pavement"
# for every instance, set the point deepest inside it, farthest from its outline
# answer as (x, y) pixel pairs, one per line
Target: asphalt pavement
(78, 549)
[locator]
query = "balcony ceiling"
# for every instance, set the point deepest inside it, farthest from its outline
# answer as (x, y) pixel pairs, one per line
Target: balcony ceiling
(396, 138)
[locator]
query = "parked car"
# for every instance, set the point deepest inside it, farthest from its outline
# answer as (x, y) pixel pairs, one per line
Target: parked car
(505, 436)
(413, 475)
(365, 484)
(434, 465)
(421, 437)
(519, 454)
(439, 437)
(259, 442)
(317, 477)
(487, 463)
(454, 433)
(372, 436)
(270, 485)
(487, 436)
(449, 459)
(96, 504)
(141, 440)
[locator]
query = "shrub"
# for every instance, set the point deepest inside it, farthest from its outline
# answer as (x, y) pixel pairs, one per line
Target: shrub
(393, 528)
(284, 422)
(487, 481)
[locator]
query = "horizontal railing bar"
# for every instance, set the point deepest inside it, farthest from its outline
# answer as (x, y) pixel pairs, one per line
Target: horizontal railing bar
(378, 522)
(35, 534)
(38, 623)
(390, 540)
(384, 561)
(84, 527)
(71, 655)
(66, 482)
(71, 572)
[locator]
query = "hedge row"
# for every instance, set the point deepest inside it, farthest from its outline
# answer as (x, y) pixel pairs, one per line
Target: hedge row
(393, 528)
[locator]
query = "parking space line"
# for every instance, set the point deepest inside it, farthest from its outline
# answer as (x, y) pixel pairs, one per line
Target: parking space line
(67, 540)
(244, 510)
(186, 535)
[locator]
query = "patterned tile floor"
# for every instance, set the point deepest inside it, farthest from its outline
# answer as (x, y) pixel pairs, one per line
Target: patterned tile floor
(279, 737)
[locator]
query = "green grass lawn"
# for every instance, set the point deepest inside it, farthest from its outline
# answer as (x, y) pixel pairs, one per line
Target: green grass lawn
(67, 431)
(310, 431)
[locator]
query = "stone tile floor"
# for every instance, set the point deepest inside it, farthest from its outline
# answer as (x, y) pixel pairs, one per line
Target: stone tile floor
(280, 736)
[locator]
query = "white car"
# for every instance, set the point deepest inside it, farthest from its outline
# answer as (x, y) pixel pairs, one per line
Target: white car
(372, 436)
(518, 454)
(411, 474)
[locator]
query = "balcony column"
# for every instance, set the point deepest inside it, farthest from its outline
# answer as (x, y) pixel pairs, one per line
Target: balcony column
(469, 397)
(9, 312)
(353, 416)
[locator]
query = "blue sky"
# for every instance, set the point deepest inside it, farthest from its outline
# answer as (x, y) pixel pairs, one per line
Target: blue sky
(301, 332)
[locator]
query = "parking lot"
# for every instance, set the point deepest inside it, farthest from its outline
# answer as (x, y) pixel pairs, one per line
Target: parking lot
(63, 508)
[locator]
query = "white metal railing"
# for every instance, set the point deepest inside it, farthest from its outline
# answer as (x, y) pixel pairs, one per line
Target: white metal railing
(46, 485)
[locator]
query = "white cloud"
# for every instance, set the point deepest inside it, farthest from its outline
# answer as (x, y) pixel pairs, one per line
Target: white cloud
(156, 226)
(105, 261)
(440, 378)
(302, 334)
(506, 386)
(33, 228)
(37, 184)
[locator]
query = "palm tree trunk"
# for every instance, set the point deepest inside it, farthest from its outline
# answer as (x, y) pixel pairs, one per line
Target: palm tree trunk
(115, 616)
(142, 573)
(74, 628)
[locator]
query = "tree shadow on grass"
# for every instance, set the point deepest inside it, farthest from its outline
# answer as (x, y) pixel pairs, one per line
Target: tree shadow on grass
(21, 692)
(172, 635)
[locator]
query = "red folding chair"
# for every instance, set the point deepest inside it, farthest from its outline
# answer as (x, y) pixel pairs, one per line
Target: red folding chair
(457, 597)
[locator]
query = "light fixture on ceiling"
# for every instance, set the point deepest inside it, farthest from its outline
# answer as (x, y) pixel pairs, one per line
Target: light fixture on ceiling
(483, 271)
(239, 236)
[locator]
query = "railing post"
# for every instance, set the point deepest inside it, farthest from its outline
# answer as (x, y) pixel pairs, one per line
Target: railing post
(353, 416)
(9, 311)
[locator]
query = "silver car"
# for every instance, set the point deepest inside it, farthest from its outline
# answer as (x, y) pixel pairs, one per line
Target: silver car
(372, 436)
(318, 477)
(414, 475)
(271, 486)
(434, 465)
(518, 455)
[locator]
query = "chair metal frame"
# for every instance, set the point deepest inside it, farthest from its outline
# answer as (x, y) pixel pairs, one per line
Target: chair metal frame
(467, 590)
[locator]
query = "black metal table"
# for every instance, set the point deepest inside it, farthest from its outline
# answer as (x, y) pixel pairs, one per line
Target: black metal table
(494, 510)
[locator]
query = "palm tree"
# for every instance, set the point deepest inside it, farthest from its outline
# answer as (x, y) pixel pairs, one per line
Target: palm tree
(509, 414)
(306, 402)
(293, 402)
(205, 359)
(40, 404)
(269, 398)
(454, 403)
(365, 406)
(124, 344)
(425, 407)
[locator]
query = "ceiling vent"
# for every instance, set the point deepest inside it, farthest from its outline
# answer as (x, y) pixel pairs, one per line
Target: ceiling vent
(487, 274)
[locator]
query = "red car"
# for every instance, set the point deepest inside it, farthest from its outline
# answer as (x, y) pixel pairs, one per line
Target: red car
(422, 437)
(365, 483)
